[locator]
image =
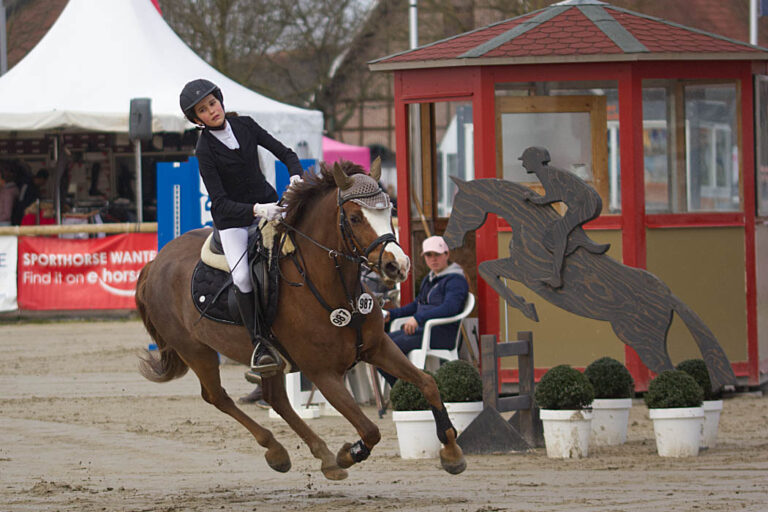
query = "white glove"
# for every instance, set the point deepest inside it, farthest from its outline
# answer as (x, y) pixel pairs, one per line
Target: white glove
(296, 178)
(269, 211)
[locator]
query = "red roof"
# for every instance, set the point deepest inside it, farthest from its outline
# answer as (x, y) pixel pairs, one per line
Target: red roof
(571, 31)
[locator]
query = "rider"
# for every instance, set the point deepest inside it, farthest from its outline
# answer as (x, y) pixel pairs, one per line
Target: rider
(227, 153)
(583, 202)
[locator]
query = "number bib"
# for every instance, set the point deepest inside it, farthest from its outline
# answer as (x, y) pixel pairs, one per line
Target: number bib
(365, 303)
(340, 317)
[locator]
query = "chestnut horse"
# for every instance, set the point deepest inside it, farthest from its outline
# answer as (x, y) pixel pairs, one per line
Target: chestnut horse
(333, 232)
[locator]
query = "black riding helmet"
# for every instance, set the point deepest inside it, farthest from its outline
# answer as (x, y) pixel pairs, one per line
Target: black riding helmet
(195, 91)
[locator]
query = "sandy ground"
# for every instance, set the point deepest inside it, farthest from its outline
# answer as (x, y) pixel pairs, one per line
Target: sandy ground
(81, 430)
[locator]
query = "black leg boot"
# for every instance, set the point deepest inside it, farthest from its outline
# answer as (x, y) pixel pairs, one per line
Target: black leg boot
(265, 360)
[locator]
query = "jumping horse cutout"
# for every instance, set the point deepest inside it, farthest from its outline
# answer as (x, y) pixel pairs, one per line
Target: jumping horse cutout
(638, 304)
(334, 232)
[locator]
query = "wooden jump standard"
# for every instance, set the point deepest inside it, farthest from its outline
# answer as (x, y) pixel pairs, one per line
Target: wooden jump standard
(490, 432)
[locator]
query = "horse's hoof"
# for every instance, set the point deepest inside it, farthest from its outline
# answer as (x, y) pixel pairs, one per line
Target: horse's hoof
(344, 458)
(454, 467)
(278, 459)
(335, 473)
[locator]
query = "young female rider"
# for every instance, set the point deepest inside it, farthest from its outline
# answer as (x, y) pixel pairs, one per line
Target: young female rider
(229, 165)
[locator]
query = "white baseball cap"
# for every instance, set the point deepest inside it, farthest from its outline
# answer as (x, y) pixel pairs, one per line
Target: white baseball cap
(434, 244)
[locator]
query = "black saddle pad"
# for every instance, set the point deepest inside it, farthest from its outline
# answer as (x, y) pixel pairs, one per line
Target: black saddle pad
(210, 296)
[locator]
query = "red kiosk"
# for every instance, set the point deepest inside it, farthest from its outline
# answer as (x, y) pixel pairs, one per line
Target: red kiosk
(668, 123)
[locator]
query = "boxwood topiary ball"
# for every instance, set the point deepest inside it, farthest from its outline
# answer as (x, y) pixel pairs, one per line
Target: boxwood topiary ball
(610, 378)
(459, 381)
(563, 387)
(697, 369)
(407, 397)
(671, 389)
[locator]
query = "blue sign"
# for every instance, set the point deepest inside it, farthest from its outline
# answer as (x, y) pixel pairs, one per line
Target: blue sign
(182, 202)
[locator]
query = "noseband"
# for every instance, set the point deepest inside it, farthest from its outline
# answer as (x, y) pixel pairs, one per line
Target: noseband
(350, 240)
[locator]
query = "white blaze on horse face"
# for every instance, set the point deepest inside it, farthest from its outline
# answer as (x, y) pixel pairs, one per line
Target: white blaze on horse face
(381, 223)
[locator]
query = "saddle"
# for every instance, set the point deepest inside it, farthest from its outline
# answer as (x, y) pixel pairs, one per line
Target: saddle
(212, 287)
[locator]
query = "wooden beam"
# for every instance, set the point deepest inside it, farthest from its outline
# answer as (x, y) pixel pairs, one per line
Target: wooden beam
(57, 229)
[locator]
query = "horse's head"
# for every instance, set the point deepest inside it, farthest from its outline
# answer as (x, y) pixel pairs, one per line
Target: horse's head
(467, 214)
(365, 220)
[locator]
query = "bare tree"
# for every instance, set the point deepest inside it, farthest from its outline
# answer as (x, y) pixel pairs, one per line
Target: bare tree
(286, 49)
(229, 34)
(314, 53)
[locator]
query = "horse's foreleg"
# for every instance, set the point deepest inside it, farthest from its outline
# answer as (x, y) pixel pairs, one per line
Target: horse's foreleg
(492, 270)
(333, 389)
(274, 394)
(391, 359)
(206, 367)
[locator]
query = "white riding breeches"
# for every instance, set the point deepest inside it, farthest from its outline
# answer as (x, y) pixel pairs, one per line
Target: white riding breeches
(234, 241)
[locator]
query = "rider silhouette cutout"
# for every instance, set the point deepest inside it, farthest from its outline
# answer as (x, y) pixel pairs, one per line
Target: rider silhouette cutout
(583, 202)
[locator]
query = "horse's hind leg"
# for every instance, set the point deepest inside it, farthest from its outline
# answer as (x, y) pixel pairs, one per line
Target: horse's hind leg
(390, 358)
(647, 335)
(274, 393)
(205, 364)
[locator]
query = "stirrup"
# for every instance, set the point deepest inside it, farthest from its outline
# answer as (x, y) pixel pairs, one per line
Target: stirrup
(265, 360)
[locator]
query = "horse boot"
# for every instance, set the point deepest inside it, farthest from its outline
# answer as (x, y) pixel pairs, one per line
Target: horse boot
(265, 360)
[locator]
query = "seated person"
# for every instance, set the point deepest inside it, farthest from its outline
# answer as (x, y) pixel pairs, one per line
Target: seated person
(443, 293)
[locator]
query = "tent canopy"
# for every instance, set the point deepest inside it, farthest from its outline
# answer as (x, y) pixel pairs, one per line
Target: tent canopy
(334, 151)
(100, 54)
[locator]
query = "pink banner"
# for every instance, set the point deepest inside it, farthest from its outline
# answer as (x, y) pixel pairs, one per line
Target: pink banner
(97, 273)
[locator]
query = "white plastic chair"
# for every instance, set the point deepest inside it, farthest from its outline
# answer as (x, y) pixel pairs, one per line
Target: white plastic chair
(419, 356)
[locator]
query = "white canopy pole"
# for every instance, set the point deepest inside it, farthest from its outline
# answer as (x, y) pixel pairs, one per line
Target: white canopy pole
(753, 22)
(413, 23)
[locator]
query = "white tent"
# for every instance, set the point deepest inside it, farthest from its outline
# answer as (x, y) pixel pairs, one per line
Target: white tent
(100, 54)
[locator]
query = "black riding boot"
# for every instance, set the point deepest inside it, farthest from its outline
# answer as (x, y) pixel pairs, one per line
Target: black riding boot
(265, 360)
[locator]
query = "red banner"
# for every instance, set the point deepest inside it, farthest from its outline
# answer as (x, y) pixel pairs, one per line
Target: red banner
(97, 273)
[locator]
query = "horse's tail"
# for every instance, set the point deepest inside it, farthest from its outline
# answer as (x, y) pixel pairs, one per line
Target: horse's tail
(164, 364)
(720, 370)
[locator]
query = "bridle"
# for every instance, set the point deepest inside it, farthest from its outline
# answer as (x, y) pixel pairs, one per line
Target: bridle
(350, 240)
(358, 301)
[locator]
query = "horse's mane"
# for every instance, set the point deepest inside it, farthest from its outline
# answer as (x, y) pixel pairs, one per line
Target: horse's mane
(300, 197)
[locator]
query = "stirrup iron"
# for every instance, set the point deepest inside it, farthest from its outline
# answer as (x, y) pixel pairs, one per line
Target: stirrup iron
(265, 360)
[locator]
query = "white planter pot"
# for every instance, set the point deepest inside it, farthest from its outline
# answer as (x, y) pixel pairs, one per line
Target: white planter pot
(463, 413)
(416, 434)
(610, 417)
(678, 431)
(566, 433)
(712, 409)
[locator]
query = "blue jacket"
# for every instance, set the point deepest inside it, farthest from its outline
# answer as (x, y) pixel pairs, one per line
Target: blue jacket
(440, 296)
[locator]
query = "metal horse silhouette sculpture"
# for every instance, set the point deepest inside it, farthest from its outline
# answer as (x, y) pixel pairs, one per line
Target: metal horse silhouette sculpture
(638, 304)
(334, 231)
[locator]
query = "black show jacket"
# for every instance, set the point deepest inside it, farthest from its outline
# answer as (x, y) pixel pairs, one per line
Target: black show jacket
(233, 178)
